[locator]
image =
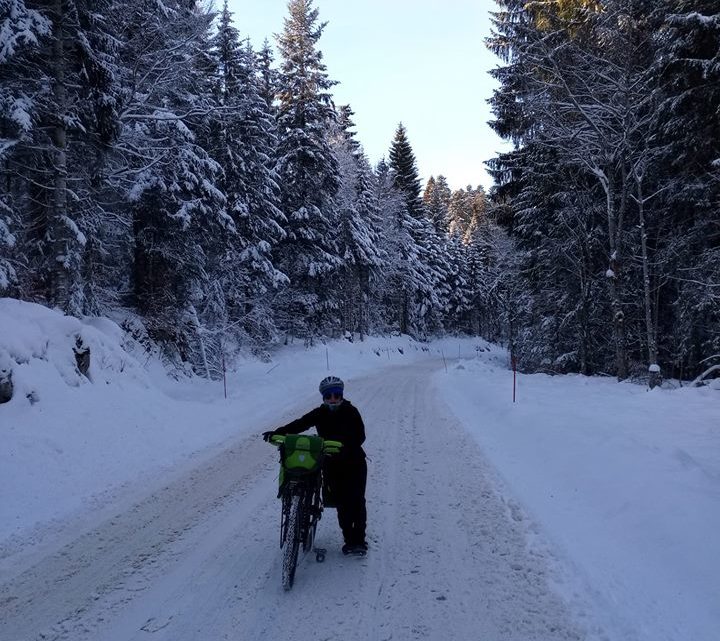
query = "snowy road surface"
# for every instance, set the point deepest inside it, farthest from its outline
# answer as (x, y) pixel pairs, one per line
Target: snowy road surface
(451, 556)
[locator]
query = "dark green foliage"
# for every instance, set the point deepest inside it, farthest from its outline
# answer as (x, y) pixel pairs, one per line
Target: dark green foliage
(309, 176)
(611, 193)
(402, 162)
(154, 167)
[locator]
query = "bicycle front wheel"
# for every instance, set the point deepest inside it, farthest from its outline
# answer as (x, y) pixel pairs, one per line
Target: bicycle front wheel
(292, 542)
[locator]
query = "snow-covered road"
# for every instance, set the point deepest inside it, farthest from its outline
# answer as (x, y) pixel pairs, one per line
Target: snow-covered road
(451, 556)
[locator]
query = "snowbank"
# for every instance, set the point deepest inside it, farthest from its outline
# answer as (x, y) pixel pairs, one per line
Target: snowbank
(625, 481)
(67, 438)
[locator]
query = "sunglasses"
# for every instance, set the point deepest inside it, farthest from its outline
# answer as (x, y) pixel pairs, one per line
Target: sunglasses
(332, 395)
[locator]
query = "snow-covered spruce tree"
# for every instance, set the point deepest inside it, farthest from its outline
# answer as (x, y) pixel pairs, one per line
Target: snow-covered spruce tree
(688, 44)
(436, 199)
(405, 173)
(309, 179)
(403, 274)
(91, 51)
(7, 242)
(498, 293)
(463, 206)
(423, 308)
(168, 179)
(479, 259)
(449, 250)
(358, 228)
(267, 76)
(244, 143)
(456, 300)
(474, 241)
(535, 175)
(372, 261)
(61, 85)
(433, 298)
(526, 175)
(22, 29)
(577, 99)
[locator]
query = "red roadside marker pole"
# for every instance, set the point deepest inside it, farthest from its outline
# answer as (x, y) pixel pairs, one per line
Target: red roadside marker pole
(514, 366)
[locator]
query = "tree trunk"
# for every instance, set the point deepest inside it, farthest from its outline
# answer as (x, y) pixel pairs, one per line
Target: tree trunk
(653, 368)
(195, 322)
(404, 313)
(144, 269)
(614, 230)
(61, 277)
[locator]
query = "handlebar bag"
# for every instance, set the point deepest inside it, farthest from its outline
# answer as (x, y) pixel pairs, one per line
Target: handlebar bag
(301, 454)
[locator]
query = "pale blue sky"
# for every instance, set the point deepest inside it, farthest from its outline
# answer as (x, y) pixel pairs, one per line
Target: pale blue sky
(422, 62)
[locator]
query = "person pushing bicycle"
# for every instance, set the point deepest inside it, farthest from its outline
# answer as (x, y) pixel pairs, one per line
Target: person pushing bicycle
(345, 473)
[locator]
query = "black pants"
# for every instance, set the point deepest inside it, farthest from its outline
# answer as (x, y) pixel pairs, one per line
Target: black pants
(347, 481)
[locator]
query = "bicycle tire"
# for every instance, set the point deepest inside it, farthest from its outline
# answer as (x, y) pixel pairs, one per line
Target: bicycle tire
(292, 542)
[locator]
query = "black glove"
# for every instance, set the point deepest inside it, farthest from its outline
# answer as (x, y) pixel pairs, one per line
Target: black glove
(268, 435)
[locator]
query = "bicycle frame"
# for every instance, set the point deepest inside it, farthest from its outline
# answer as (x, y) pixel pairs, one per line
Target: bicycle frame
(302, 507)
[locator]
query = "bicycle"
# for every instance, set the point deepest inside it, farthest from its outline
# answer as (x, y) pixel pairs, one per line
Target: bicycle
(301, 492)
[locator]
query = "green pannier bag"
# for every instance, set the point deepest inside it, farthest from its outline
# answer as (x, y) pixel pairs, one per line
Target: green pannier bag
(300, 455)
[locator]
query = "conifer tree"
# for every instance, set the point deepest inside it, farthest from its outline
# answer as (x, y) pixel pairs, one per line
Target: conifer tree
(456, 301)
(411, 275)
(22, 30)
(245, 147)
(688, 62)
(358, 226)
(58, 57)
(610, 154)
(169, 178)
(309, 178)
(436, 199)
(424, 307)
(402, 162)
(267, 76)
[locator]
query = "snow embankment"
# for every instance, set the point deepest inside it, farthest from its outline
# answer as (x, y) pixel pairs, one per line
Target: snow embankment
(68, 438)
(624, 480)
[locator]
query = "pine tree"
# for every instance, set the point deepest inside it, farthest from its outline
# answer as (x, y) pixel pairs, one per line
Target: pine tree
(409, 275)
(358, 226)
(436, 286)
(402, 162)
(436, 199)
(61, 92)
(609, 155)
(459, 212)
(245, 146)
(687, 61)
(548, 92)
(309, 179)
(456, 302)
(267, 76)
(167, 176)
(22, 30)
(424, 307)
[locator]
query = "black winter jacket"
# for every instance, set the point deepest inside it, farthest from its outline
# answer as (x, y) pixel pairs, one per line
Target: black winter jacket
(343, 424)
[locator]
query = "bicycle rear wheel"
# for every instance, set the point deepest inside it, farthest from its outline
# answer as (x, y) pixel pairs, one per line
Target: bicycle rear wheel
(292, 542)
(311, 515)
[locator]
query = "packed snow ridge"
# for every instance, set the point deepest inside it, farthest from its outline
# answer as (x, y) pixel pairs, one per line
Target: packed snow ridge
(132, 502)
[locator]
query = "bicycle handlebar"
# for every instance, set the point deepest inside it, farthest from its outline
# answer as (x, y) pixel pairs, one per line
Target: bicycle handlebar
(329, 447)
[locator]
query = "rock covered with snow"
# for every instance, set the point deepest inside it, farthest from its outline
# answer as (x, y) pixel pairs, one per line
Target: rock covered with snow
(37, 347)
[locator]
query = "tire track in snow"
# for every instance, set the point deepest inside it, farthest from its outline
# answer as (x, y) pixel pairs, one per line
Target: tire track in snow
(449, 557)
(73, 591)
